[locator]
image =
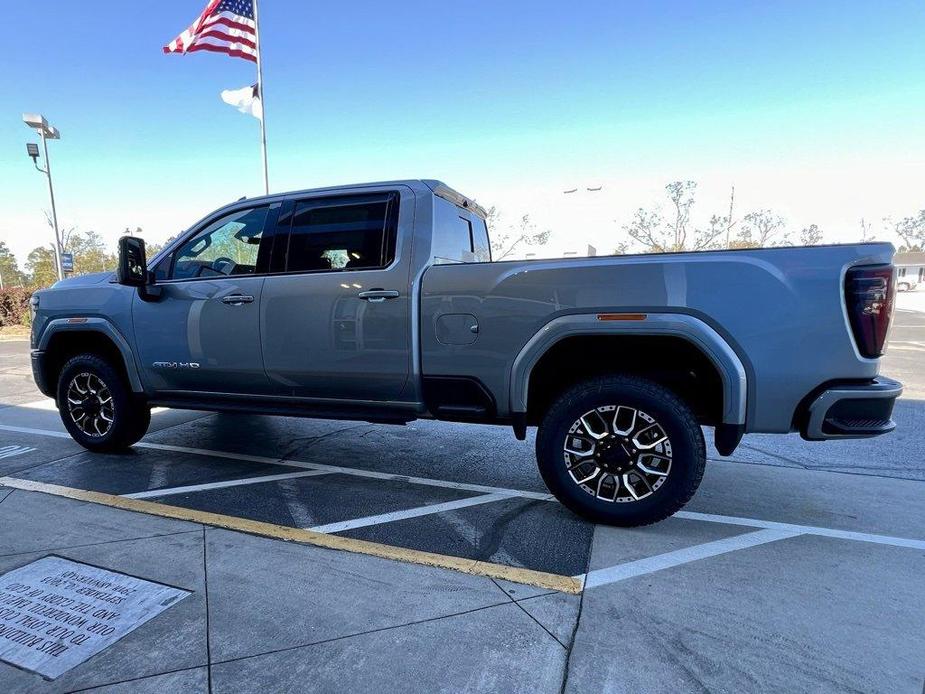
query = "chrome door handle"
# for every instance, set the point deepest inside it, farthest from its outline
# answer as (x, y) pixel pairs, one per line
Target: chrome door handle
(237, 299)
(377, 296)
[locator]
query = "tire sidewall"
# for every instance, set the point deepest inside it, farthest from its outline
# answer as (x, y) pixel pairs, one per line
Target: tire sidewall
(688, 452)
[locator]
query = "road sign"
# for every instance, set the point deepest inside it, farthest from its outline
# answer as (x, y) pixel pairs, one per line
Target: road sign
(67, 262)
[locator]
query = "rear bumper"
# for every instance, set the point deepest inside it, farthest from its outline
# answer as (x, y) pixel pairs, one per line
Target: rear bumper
(854, 411)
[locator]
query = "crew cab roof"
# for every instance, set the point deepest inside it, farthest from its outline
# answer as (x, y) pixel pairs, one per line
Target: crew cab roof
(438, 188)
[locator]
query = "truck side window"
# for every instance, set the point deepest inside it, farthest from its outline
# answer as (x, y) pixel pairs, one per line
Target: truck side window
(342, 234)
(481, 246)
(228, 246)
(459, 235)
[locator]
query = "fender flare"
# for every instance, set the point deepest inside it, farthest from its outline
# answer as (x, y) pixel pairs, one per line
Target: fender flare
(97, 325)
(717, 350)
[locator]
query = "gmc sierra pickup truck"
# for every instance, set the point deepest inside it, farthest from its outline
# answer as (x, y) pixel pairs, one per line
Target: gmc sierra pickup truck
(380, 303)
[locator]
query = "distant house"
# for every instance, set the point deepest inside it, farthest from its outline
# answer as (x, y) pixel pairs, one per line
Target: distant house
(910, 266)
(589, 252)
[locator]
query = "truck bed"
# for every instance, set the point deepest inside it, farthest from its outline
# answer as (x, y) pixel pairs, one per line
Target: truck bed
(781, 310)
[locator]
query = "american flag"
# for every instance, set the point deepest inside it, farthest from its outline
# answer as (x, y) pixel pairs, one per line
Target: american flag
(225, 26)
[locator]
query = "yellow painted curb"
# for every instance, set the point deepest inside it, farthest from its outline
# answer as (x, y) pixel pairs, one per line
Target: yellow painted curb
(530, 577)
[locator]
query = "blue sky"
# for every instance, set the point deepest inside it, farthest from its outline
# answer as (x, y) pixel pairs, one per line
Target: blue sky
(509, 102)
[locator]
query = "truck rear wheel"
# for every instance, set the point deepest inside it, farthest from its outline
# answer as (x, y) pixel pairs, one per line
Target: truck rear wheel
(621, 450)
(97, 406)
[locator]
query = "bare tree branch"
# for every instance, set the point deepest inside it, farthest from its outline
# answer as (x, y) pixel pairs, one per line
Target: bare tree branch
(910, 230)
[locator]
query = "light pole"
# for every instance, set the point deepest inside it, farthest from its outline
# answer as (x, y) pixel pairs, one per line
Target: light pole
(47, 132)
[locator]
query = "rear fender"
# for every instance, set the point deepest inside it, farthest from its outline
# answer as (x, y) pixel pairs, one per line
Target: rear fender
(694, 330)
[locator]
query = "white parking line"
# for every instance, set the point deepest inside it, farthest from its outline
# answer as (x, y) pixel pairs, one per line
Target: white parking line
(10, 451)
(409, 513)
(355, 472)
(48, 404)
(640, 567)
(804, 529)
(223, 485)
(689, 515)
(268, 460)
(36, 432)
(907, 347)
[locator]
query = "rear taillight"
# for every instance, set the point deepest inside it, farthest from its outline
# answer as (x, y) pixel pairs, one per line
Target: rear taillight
(869, 293)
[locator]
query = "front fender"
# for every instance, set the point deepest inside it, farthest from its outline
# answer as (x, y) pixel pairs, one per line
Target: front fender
(99, 325)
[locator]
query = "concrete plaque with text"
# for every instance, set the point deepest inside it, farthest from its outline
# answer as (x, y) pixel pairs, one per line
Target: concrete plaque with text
(56, 613)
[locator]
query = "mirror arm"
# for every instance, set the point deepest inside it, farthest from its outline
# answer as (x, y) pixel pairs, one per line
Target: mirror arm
(149, 291)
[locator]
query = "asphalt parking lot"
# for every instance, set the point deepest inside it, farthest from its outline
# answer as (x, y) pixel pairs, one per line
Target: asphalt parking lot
(797, 567)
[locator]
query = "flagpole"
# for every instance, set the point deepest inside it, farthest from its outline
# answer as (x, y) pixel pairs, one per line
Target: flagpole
(263, 109)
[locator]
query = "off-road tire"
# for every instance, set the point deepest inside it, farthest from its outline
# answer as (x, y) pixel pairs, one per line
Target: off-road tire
(130, 416)
(687, 460)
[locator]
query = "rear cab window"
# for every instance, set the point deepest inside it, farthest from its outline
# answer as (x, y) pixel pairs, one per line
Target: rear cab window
(342, 233)
(460, 235)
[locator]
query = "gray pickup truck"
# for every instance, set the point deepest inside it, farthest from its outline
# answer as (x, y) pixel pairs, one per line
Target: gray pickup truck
(380, 303)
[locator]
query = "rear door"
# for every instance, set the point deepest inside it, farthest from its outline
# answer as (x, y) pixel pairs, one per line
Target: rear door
(336, 317)
(203, 333)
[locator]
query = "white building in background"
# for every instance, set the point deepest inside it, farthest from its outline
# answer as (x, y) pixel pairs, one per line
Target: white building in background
(910, 269)
(588, 252)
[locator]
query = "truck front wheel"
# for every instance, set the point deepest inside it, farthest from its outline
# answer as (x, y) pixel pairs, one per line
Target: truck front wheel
(97, 406)
(621, 450)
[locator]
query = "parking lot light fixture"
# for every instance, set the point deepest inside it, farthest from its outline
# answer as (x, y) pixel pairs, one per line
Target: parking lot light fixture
(46, 132)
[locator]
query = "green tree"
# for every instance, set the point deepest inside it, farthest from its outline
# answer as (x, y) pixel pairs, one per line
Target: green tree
(40, 265)
(811, 235)
(10, 275)
(90, 253)
(761, 229)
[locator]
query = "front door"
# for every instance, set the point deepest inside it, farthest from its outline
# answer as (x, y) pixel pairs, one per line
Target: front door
(336, 321)
(203, 333)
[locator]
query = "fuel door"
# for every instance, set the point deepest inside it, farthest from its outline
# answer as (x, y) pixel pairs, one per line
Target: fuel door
(457, 329)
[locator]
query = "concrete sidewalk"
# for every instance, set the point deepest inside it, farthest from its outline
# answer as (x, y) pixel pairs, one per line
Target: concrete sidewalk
(267, 615)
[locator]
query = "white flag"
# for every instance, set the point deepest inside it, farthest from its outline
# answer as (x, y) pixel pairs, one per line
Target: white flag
(245, 100)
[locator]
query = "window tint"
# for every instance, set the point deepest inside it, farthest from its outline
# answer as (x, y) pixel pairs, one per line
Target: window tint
(229, 246)
(452, 234)
(460, 236)
(162, 269)
(342, 234)
(481, 246)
